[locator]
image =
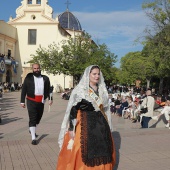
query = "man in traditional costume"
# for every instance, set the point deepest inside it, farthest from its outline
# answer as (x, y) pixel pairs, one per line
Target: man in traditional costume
(36, 89)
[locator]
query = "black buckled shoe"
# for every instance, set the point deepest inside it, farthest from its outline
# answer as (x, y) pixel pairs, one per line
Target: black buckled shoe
(34, 142)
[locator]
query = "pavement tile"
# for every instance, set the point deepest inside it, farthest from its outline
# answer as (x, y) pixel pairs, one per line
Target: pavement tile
(165, 152)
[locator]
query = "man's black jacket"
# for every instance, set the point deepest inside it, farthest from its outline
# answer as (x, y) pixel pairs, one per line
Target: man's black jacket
(28, 88)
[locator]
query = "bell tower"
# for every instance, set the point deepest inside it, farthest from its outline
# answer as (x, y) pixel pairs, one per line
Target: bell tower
(40, 6)
(34, 1)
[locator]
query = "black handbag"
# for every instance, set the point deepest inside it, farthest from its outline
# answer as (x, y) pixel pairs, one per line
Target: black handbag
(145, 109)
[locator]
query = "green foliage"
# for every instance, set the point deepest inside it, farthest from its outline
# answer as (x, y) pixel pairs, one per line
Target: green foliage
(158, 44)
(159, 12)
(129, 68)
(48, 59)
(158, 49)
(74, 56)
(135, 66)
(158, 39)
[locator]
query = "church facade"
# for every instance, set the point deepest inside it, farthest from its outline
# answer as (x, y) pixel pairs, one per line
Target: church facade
(34, 26)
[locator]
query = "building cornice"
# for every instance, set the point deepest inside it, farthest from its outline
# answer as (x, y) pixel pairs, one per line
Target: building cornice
(5, 37)
(33, 23)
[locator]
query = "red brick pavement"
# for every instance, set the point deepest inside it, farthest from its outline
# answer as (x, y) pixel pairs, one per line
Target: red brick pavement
(137, 149)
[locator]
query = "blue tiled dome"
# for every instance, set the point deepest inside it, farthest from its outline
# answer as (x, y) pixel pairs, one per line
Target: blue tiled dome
(68, 21)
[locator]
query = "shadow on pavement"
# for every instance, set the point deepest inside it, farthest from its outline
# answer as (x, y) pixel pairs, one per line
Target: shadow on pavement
(161, 118)
(117, 142)
(6, 104)
(1, 135)
(42, 136)
(5, 119)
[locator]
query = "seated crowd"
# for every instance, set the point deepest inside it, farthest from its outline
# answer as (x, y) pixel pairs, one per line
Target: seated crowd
(66, 94)
(7, 56)
(129, 105)
(13, 86)
(2, 55)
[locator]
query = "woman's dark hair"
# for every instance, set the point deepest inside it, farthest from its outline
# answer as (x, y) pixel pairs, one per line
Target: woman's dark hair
(93, 67)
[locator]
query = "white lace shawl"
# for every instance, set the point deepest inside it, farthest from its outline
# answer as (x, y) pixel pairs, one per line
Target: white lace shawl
(81, 91)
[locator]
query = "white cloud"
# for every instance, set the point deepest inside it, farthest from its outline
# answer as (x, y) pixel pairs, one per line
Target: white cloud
(124, 23)
(117, 29)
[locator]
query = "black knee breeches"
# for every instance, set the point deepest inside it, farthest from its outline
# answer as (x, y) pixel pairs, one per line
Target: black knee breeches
(35, 111)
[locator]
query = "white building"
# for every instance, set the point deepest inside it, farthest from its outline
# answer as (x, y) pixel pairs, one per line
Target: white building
(33, 26)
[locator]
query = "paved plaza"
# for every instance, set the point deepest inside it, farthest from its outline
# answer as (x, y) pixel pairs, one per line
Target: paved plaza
(136, 149)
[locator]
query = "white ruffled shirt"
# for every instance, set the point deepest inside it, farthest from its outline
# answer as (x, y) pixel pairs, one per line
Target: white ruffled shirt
(39, 86)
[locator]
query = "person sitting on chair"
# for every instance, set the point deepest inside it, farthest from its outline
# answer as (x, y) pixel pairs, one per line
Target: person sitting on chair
(166, 111)
(148, 102)
(122, 106)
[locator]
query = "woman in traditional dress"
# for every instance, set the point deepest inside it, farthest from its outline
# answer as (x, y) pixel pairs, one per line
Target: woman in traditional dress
(85, 139)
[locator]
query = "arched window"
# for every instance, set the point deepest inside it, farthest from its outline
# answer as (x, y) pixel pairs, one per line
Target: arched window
(38, 1)
(29, 1)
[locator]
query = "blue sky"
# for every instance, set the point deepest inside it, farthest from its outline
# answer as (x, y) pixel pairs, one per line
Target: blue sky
(117, 23)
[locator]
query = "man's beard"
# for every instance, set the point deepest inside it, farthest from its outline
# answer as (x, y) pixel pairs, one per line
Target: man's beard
(37, 73)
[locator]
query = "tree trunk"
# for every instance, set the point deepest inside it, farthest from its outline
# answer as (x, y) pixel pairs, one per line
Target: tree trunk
(161, 85)
(167, 85)
(148, 83)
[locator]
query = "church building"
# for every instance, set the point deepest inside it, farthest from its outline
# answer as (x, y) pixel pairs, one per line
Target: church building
(34, 26)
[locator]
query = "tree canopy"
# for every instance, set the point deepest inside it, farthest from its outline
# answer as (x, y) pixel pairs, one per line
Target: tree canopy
(154, 59)
(73, 56)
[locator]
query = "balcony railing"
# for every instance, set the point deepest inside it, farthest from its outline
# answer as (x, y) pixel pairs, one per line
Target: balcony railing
(9, 62)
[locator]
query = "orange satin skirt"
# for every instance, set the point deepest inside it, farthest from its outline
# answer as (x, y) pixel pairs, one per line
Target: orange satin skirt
(72, 160)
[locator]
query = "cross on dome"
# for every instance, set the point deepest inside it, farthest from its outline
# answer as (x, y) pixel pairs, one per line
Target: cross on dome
(67, 3)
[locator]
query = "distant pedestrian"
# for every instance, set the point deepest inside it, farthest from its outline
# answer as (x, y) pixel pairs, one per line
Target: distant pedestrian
(36, 89)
